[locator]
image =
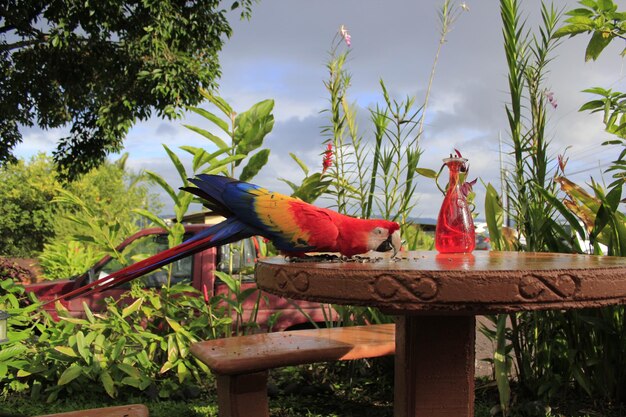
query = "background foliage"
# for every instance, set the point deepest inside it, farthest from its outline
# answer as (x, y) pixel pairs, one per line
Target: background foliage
(100, 66)
(41, 217)
(28, 215)
(142, 347)
(557, 354)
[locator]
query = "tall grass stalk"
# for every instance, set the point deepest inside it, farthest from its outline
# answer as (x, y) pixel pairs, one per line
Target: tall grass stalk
(383, 184)
(556, 353)
(380, 120)
(448, 14)
(337, 86)
(398, 156)
(527, 58)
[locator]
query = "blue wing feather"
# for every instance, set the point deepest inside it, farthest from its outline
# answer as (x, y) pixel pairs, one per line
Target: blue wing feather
(239, 200)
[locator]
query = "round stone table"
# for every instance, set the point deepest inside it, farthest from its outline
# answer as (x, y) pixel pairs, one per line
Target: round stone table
(435, 299)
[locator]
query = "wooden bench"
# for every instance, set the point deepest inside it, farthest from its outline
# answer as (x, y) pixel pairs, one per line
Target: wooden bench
(241, 363)
(132, 410)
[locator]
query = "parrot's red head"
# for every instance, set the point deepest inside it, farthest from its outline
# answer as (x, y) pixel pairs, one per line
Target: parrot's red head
(384, 236)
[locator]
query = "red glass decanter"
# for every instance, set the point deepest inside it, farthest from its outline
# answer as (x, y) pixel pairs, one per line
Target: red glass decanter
(455, 227)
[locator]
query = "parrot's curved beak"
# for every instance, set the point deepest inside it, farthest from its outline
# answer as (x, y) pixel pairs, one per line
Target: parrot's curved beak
(393, 242)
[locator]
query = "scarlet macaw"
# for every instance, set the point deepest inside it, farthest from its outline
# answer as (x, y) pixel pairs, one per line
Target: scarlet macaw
(295, 228)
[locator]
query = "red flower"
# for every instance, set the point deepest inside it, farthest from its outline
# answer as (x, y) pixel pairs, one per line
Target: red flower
(327, 161)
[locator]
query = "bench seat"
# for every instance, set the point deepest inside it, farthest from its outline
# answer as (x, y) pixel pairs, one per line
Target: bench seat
(132, 410)
(241, 363)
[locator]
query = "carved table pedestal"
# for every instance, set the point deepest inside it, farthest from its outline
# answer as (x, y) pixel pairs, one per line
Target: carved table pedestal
(435, 299)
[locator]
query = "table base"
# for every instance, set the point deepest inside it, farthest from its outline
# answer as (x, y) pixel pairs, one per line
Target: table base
(434, 366)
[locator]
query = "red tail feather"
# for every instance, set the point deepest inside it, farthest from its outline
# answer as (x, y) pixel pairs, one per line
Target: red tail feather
(140, 268)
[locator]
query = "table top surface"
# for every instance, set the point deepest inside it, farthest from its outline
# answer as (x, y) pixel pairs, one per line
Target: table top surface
(431, 283)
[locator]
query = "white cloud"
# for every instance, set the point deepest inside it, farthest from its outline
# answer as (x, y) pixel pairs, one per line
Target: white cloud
(36, 140)
(281, 54)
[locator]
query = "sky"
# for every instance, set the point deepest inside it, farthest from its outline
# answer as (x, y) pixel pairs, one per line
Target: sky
(282, 51)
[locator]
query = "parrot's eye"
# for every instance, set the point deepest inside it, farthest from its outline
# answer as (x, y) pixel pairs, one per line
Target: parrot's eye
(379, 231)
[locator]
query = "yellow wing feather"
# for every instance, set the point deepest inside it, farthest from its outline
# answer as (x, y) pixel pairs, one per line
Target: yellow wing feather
(289, 217)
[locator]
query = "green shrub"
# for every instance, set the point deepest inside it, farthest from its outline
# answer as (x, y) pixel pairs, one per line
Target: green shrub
(141, 347)
(64, 260)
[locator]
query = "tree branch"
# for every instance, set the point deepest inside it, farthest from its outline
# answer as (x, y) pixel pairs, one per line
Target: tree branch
(21, 44)
(7, 28)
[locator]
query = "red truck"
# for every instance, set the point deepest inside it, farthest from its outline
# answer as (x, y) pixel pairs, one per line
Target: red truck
(197, 270)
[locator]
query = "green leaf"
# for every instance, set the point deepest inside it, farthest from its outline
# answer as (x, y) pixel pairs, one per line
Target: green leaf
(9, 352)
(582, 380)
(174, 325)
(592, 105)
(620, 231)
(596, 45)
(221, 104)
(182, 340)
(494, 217)
(425, 172)
(252, 126)
(70, 374)
(500, 363)
(172, 349)
(581, 20)
(68, 351)
(88, 313)
(614, 197)
(75, 320)
(132, 381)
(243, 296)
(303, 166)
(565, 212)
(83, 349)
(119, 347)
(166, 367)
(603, 216)
(293, 186)
(599, 91)
(99, 343)
(207, 158)
(311, 188)
(129, 370)
(183, 205)
(201, 157)
(256, 162)
(210, 136)
(179, 165)
(580, 12)
(571, 30)
(606, 5)
(230, 282)
(163, 184)
(108, 384)
(219, 166)
(212, 118)
(589, 3)
(136, 305)
(183, 372)
(152, 217)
